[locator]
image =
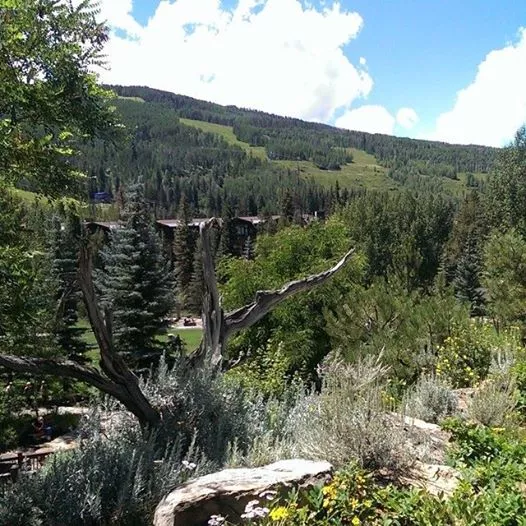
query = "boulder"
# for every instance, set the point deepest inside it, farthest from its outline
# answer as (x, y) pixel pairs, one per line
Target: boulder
(428, 442)
(228, 492)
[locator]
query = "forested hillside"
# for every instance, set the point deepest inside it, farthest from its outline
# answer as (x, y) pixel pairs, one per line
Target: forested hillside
(215, 155)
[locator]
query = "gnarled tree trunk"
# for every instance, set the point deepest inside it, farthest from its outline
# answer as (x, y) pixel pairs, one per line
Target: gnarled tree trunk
(218, 326)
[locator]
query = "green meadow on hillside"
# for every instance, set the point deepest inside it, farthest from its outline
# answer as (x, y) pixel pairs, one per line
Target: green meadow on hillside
(364, 172)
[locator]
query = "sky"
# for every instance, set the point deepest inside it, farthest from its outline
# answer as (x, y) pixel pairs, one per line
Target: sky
(448, 70)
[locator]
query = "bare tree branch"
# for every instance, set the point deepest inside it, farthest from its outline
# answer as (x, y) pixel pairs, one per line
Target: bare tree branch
(218, 326)
(111, 362)
(266, 300)
(62, 368)
(117, 379)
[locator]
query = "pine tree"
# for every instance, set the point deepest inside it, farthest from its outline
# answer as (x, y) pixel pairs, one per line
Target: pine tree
(196, 287)
(183, 254)
(64, 244)
(136, 284)
(227, 244)
(287, 207)
(467, 279)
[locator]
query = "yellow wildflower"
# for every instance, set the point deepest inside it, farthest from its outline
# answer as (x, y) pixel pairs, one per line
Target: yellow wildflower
(279, 513)
(330, 491)
(356, 521)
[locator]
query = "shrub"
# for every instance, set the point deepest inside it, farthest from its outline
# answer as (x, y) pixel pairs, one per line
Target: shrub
(465, 357)
(114, 480)
(430, 400)
(473, 443)
(117, 476)
(216, 412)
(348, 420)
(494, 403)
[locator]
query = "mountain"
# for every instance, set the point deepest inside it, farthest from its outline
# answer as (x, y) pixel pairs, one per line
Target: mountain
(254, 161)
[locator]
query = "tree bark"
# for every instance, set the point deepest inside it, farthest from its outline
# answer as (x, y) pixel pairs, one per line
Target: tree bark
(218, 326)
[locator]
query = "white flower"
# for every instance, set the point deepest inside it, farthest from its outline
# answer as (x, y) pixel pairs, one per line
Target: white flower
(190, 466)
(216, 520)
(254, 511)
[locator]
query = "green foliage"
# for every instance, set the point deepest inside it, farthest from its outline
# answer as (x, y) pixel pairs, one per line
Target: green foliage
(401, 235)
(405, 327)
(489, 492)
(64, 246)
(507, 189)
(26, 305)
(183, 255)
(293, 337)
(354, 497)
(519, 373)
(504, 277)
(467, 279)
(49, 98)
(474, 443)
(196, 285)
(465, 357)
(136, 284)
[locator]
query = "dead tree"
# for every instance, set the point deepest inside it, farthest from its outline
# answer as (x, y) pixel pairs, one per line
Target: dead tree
(116, 379)
(218, 326)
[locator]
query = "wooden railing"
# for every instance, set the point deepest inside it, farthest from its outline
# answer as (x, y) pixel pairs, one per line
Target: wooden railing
(12, 464)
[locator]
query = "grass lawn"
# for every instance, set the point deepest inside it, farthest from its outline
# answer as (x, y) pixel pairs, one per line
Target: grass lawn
(191, 338)
(363, 172)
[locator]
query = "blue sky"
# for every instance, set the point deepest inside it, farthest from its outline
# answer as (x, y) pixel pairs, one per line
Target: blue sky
(440, 69)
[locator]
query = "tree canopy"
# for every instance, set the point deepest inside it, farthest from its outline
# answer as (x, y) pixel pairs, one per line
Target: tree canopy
(49, 96)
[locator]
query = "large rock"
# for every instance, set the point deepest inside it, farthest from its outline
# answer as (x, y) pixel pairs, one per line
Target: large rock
(227, 492)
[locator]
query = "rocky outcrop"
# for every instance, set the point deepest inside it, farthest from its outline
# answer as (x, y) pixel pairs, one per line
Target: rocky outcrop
(429, 444)
(436, 479)
(228, 492)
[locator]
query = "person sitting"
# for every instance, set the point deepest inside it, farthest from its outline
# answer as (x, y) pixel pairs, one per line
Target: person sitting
(38, 428)
(41, 430)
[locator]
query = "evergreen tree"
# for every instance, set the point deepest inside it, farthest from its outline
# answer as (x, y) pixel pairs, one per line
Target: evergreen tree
(64, 253)
(287, 207)
(227, 244)
(196, 287)
(183, 254)
(467, 279)
(136, 284)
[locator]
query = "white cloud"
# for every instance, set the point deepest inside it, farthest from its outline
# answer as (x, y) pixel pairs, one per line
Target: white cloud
(407, 118)
(118, 13)
(279, 56)
(370, 118)
(363, 61)
(493, 106)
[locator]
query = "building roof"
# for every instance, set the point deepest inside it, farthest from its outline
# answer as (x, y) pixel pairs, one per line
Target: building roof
(256, 220)
(174, 223)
